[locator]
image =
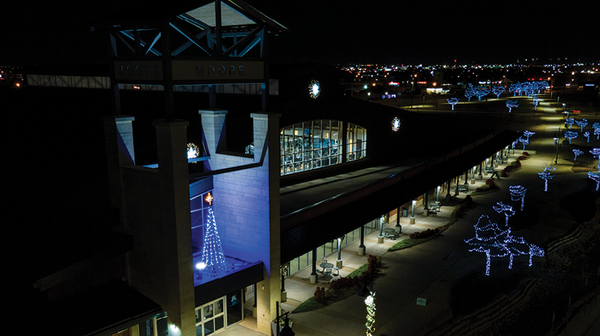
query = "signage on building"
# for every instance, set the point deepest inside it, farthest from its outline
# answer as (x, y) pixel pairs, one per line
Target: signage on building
(193, 71)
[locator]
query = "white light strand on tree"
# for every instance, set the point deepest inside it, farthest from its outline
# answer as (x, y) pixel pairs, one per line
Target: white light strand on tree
(504, 209)
(370, 303)
(213, 261)
(517, 193)
(498, 243)
(545, 175)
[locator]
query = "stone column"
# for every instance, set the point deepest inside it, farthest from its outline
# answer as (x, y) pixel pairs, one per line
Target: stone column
(171, 140)
(118, 133)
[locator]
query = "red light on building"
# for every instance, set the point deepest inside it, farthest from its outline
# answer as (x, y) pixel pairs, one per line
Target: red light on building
(422, 82)
(577, 111)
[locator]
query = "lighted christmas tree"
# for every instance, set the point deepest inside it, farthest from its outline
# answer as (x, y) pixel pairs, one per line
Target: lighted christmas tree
(213, 261)
(370, 303)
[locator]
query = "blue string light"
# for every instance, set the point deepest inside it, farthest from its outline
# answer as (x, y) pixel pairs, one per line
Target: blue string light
(505, 209)
(498, 243)
(452, 101)
(511, 104)
(570, 135)
(517, 193)
(577, 152)
(545, 175)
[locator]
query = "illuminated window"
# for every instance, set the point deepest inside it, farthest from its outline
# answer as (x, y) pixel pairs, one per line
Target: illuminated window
(318, 143)
(198, 213)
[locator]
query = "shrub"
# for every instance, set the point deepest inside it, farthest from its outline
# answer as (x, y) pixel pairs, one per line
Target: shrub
(425, 234)
(320, 295)
(525, 153)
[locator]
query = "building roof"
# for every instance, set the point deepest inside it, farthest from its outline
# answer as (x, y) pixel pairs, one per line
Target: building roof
(333, 206)
(233, 13)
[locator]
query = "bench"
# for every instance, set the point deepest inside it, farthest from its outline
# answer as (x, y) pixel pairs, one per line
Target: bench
(463, 187)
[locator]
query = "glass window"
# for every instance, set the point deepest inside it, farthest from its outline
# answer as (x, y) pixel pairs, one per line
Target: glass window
(317, 143)
(210, 317)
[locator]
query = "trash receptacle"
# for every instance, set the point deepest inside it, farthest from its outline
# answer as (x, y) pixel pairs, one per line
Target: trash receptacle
(404, 212)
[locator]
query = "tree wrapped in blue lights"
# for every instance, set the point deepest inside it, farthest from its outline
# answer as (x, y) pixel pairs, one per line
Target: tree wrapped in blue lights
(470, 92)
(452, 101)
(546, 175)
(536, 101)
(581, 123)
(486, 241)
(481, 91)
(517, 193)
(511, 104)
(515, 88)
(213, 261)
(595, 177)
(569, 122)
(497, 243)
(596, 127)
(570, 135)
(577, 152)
(528, 133)
(595, 152)
(498, 90)
(524, 141)
(504, 209)
(586, 134)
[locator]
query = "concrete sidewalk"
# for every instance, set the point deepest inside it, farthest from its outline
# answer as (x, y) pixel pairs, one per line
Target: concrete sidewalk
(426, 271)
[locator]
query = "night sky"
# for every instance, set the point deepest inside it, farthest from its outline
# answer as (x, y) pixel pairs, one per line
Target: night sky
(342, 32)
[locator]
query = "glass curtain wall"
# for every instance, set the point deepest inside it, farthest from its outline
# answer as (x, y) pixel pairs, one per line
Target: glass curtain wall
(310, 145)
(198, 212)
(356, 142)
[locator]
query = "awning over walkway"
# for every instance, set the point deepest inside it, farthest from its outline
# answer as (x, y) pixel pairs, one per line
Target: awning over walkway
(304, 231)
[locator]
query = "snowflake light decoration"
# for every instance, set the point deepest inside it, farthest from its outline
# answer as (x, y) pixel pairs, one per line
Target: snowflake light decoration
(193, 151)
(314, 89)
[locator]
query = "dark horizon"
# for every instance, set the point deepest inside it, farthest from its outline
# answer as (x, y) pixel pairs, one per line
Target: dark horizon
(342, 33)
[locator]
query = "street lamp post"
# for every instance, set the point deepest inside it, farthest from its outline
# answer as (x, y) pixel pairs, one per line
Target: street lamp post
(412, 218)
(556, 143)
